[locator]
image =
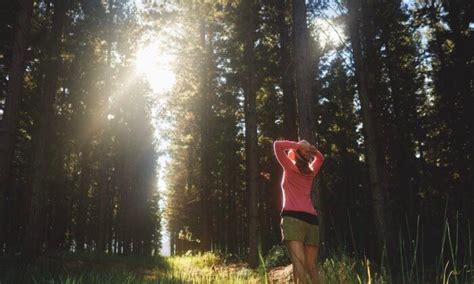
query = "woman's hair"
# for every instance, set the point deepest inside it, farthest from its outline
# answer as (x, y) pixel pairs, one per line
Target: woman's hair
(302, 163)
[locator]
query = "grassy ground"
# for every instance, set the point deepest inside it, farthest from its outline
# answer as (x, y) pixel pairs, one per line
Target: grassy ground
(206, 268)
(200, 268)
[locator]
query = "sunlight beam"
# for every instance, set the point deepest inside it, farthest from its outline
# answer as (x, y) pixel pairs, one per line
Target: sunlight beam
(156, 65)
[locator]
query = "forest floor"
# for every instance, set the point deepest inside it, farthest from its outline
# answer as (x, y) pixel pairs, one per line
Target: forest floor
(200, 268)
(72, 269)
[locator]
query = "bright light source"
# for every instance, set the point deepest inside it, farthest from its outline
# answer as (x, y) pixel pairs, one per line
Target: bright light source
(328, 32)
(155, 64)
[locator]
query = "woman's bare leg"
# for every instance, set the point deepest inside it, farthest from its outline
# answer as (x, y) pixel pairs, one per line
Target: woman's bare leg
(297, 256)
(311, 254)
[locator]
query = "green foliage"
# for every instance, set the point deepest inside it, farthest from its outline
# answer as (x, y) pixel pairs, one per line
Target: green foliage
(343, 269)
(277, 256)
(198, 260)
(207, 267)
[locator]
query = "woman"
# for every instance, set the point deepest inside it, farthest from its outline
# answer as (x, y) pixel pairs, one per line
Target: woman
(301, 162)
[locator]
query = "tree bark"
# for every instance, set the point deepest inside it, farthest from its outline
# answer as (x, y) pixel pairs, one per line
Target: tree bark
(303, 87)
(204, 114)
(35, 228)
(375, 159)
(250, 12)
(102, 204)
(82, 197)
(403, 148)
(9, 122)
(290, 129)
(303, 72)
(460, 96)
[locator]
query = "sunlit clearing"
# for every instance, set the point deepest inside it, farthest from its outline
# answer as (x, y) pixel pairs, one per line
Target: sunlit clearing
(156, 66)
(328, 32)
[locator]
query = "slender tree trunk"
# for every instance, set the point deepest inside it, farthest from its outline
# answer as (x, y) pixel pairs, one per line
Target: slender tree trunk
(9, 122)
(405, 158)
(303, 86)
(35, 228)
(461, 96)
(204, 113)
(232, 204)
(303, 72)
(60, 213)
(276, 200)
(227, 198)
(290, 130)
(250, 12)
(102, 202)
(403, 148)
(375, 160)
(82, 196)
(125, 199)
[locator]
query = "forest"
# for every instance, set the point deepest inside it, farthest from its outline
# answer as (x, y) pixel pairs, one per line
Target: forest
(136, 138)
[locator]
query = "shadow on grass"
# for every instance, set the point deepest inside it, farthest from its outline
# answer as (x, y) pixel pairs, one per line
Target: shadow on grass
(59, 267)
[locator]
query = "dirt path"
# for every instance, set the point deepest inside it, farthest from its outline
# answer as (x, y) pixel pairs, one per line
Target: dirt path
(280, 274)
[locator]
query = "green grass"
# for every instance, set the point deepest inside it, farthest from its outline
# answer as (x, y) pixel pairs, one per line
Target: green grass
(84, 268)
(453, 266)
(207, 268)
(343, 269)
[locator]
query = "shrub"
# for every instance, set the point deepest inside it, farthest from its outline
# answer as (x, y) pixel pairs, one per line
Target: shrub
(277, 256)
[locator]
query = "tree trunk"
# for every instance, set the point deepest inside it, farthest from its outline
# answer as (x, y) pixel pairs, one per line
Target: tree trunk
(231, 203)
(303, 86)
(102, 204)
(204, 113)
(276, 201)
(9, 122)
(403, 149)
(35, 228)
(290, 130)
(125, 199)
(460, 94)
(82, 197)
(250, 12)
(303, 72)
(403, 100)
(375, 159)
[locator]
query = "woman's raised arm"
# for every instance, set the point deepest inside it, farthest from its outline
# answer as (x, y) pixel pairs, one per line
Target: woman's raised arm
(279, 147)
(317, 162)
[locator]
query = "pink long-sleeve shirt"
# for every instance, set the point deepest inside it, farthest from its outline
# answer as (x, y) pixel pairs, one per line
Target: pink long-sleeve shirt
(296, 186)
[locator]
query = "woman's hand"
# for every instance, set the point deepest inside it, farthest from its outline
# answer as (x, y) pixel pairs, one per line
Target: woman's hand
(304, 145)
(307, 149)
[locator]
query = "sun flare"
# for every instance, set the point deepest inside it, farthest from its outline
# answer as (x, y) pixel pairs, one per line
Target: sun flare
(329, 33)
(156, 65)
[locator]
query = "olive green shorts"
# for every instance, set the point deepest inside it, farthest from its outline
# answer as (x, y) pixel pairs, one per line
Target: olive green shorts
(293, 229)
